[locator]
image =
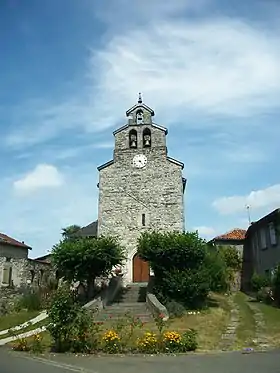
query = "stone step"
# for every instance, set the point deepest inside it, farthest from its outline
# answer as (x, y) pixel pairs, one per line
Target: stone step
(103, 317)
(127, 304)
(125, 310)
(131, 301)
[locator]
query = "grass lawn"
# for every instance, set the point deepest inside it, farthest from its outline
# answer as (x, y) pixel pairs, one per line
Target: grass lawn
(209, 323)
(26, 329)
(271, 317)
(245, 331)
(15, 319)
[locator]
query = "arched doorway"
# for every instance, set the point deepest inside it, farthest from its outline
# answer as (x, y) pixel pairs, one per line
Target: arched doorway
(141, 270)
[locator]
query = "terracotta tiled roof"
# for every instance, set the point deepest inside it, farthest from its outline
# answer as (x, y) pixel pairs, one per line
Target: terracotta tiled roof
(11, 241)
(234, 234)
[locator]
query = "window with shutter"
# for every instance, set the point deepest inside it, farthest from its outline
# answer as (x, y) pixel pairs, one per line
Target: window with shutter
(272, 234)
(263, 238)
(5, 276)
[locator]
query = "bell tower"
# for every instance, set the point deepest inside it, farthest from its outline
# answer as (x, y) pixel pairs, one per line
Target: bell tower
(141, 188)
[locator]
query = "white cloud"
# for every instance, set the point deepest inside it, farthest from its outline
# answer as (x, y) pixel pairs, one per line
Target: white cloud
(205, 232)
(105, 145)
(39, 217)
(219, 66)
(43, 176)
(212, 67)
(264, 198)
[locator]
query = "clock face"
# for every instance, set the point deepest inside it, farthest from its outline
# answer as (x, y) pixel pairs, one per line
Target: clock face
(139, 161)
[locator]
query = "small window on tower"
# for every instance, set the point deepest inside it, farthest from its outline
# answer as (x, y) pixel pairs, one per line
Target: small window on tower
(139, 117)
(143, 220)
(146, 138)
(133, 139)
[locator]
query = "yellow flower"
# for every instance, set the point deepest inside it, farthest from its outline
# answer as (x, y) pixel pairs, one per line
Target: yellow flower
(111, 336)
(172, 337)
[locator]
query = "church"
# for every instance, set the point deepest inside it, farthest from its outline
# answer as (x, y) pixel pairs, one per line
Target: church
(140, 189)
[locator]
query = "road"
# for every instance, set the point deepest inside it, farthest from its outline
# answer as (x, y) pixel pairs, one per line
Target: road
(268, 362)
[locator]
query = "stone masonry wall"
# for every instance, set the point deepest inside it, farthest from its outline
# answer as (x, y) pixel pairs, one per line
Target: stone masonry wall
(125, 192)
(25, 273)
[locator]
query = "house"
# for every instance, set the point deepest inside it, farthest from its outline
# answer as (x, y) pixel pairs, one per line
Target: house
(16, 268)
(261, 248)
(235, 238)
(89, 230)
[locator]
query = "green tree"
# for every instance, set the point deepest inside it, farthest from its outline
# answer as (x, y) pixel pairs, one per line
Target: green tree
(231, 256)
(178, 261)
(84, 259)
(217, 270)
(67, 232)
(276, 285)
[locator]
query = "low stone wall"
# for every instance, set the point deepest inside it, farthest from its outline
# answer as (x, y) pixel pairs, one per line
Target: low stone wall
(153, 304)
(106, 296)
(8, 298)
(25, 274)
(155, 307)
(114, 287)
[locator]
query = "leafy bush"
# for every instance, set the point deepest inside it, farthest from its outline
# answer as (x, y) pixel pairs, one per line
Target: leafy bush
(172, 341)
(259, 281)
(148, 343)
(21, 345)
(111, 342)
(175, 309)
(276, 285)
(189, 341)
(36, 345)
(29, 301)
(217, 270)
(231, 257)
(265, 295)
(4, 308)
(178, 261)
(71, 327)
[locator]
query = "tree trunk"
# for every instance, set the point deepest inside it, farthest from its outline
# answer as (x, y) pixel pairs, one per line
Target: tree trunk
(90, 287)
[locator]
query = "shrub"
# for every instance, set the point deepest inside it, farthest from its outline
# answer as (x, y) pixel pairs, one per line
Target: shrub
(172, 341)
(265, 295)
(37, 344)
(71, 327)
(175, 309)
(21, 345)
(4, 308)
(111, 342)
(178, 262)
(29, 301)
(276, 285)
(259, 281)
(231, 257)
(217, 271)
(189, 341)
(148, 343)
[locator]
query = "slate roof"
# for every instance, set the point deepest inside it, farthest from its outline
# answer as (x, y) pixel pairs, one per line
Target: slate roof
(44, 259)
(89, 230)
(4, 239)
(271, 217)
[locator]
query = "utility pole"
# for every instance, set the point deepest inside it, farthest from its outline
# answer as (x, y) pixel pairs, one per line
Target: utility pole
(249, 215)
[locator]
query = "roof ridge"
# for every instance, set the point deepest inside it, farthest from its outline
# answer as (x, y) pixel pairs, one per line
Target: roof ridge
(12, 241)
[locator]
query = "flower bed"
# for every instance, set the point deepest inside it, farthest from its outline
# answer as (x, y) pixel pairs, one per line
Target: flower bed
(113, 342)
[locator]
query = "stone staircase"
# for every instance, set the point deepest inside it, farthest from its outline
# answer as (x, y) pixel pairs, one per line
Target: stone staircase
(131, 300)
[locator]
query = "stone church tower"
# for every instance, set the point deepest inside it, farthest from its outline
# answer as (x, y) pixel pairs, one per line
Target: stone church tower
(141, 188)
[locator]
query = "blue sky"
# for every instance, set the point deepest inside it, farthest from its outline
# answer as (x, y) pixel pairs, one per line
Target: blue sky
(71, 68)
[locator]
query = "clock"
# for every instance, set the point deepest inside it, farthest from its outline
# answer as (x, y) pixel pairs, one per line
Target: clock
(139, 161)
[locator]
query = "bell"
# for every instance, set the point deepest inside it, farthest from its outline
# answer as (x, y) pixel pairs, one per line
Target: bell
(133, 144)
(147, 141)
